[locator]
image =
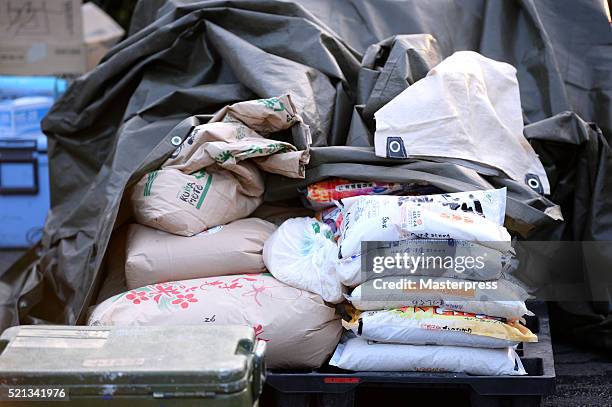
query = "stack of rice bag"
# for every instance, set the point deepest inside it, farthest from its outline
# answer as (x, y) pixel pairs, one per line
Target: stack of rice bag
(463, 319)
(195, 254)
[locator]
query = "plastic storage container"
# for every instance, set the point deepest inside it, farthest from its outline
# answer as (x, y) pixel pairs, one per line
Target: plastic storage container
(132, 366)
(12, 87)
(24, 190)
(23, 115)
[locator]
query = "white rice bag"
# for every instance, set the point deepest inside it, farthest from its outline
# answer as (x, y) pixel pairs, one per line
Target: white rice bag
(495, 298)
(358, 354)
(426, 257)
(437, 326)
(394, 218)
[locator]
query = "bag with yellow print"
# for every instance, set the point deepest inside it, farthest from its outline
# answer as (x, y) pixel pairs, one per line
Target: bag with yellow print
(437, 326)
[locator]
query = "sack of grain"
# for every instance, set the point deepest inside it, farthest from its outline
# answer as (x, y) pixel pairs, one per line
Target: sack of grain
(187, 204)
(437, 326)
(214, 176)
(154, 256)
(358, 354)
(496, 298)
(300, 330)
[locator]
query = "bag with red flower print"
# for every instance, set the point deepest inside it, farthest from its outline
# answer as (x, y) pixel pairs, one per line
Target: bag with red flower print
(300, 330)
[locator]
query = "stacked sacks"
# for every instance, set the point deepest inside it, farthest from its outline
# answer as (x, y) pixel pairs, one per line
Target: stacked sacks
(195, 258)
(470, 328)
(214, 176)
(431, 339)
(433, 319)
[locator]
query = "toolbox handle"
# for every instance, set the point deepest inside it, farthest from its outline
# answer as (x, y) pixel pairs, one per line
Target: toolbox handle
(259, 368)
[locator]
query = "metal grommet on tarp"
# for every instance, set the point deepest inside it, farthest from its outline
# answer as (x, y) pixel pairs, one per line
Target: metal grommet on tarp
(176, 141)
(533, 182)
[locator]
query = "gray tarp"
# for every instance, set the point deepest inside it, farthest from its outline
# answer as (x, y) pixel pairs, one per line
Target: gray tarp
(341, 60)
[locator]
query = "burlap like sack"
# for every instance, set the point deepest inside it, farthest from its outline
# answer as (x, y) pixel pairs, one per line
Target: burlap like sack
(300, 330)
(235, 134)
(154, 256)
(265, 116)
(183, 204)
(173, 201)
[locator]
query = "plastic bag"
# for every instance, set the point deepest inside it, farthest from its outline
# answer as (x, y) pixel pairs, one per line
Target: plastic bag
(332, 217)
(358, 354)
(426, 257)
(507, 300)
(394, 218)
(322, 194)
(301, 253)
(300, 330)
(437, 326)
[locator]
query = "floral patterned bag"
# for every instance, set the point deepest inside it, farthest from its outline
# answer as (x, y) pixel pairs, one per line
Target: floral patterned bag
(300, 330)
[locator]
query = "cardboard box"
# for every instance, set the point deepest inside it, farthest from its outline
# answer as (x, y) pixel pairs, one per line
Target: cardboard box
(100, 32)
(41, 37)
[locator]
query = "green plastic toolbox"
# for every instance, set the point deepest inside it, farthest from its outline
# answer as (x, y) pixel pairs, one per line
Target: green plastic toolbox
(132, 366)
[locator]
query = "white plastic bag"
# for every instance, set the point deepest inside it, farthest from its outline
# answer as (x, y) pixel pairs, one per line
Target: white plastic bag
(425, 257)
(361, 355)
(394, 218)
(301, 253)
(437, 326)
(507, 300)
(467, 108)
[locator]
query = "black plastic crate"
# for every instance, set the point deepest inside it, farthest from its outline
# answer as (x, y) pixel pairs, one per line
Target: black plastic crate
(333, 387)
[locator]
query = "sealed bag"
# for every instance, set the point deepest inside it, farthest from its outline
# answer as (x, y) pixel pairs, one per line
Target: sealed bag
(300, 330)
(395, 218)
(322, 194)
(437, 326)
(301, 253)
(187, 204)
(359, 354)
(423, 257)
(432, 119)
(495, 298)
(154, 256)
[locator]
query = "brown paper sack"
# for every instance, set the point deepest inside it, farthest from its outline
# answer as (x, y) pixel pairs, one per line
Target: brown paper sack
(185, 205)
(300, 330)
(171, 200)
(154, 256)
